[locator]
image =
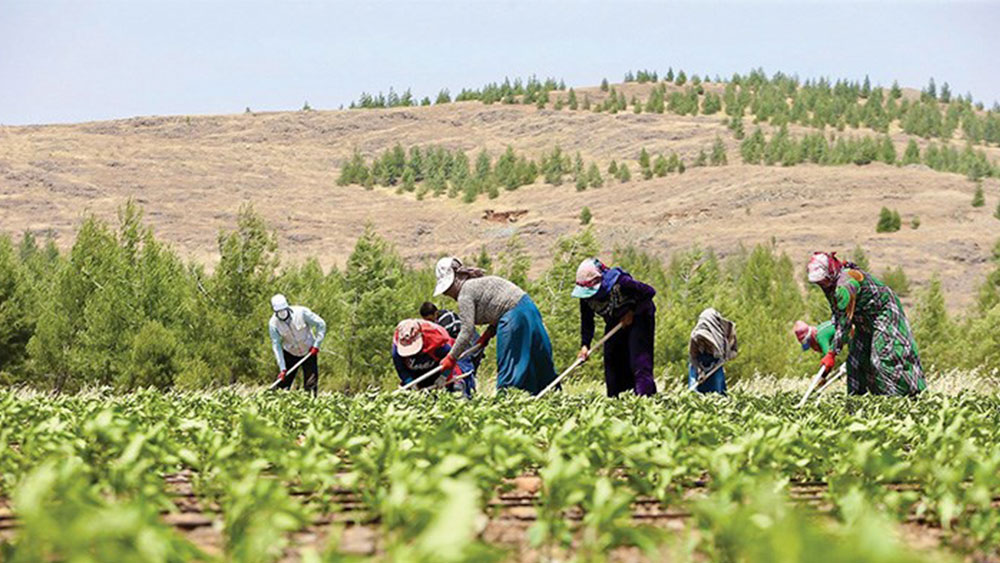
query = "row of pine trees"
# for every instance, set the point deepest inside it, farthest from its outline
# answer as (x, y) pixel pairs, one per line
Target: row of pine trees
(778, 100)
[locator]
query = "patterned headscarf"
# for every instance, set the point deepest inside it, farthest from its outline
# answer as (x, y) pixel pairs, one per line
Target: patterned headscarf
(824, 268)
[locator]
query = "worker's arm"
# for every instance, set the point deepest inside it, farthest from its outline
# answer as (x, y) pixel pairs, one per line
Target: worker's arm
(276, 345)
(404, 373)
(844, 300)
(824, 336)
(586, 324)
(467, 315)
(318, 325)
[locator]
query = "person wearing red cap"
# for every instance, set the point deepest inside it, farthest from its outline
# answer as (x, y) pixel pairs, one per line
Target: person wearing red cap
(883, 358)
(418, 346)
(618, 298)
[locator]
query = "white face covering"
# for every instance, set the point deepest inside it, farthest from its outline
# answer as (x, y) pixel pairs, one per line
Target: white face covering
(283, 314)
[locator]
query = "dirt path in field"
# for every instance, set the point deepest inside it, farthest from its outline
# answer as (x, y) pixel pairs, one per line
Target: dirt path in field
(192, 174)
(511, 513)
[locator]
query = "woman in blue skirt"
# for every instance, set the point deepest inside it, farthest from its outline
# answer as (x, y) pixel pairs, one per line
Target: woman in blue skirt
(524, 351)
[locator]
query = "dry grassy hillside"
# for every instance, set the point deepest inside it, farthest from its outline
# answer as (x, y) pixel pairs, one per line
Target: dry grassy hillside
(192, 173)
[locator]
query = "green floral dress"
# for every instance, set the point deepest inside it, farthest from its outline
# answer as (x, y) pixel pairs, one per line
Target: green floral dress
(883, 357)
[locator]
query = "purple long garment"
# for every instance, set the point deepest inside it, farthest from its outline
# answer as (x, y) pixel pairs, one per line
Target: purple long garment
(628, 355)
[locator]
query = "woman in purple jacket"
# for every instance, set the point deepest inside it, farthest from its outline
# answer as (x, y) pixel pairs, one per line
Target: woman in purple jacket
(616, 297)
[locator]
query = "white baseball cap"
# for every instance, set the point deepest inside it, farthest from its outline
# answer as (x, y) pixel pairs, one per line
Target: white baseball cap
(279, 303)
(444, 271)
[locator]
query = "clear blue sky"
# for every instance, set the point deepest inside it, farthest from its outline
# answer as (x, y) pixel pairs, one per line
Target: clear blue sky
(80, 60)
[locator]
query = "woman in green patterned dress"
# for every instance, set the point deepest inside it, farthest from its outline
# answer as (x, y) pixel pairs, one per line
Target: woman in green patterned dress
(883, 357)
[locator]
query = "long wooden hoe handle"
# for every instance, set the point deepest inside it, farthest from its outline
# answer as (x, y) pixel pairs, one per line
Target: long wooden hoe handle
(812, 386)
(289, 372)
(434, 371)
(580, 361)
(840, 373)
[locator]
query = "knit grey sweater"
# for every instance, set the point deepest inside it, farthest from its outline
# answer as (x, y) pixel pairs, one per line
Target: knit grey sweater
(482, 301)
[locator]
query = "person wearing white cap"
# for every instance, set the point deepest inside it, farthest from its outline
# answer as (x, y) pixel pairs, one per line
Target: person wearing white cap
(524, 351)
(295, 332)
(418, 346)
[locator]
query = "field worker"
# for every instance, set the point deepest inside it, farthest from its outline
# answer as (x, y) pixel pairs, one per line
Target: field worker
(418, 346)
(295, 333)
(618, 298)
(816, 338)
(883, 358)
(712, 344)
(524, 352)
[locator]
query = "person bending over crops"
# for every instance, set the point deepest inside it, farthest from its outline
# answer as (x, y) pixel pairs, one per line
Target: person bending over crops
(883, 358)
(418, 346)
(524, 351)
(713, 343)
(816, 338)
(451, 323)
(295, 332)
(618, 298)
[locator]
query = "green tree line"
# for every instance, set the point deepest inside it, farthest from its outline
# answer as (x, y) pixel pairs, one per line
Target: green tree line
(779, 99)
(122, 309)
(786, 150)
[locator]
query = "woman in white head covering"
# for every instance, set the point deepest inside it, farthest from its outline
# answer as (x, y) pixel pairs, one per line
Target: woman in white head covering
(524, 351)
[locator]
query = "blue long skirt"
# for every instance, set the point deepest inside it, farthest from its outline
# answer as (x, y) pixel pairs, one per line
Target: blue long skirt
(524, 351)
(714, 384)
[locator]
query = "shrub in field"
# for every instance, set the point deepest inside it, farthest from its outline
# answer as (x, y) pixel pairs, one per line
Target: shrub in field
(978, 199)
(155, 358)
(585, 216)
(896, 279)
(889, 221)
(933, 329)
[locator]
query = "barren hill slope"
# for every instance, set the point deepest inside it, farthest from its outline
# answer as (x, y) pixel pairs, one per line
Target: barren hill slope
(192, 173)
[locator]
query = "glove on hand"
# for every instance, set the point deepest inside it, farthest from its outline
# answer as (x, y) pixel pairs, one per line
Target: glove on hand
(313, 351)
(485, 337)
(828, 360)
(281, 376)
(448, 363)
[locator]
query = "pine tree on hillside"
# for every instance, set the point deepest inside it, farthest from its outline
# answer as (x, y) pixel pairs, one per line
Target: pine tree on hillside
(623, 173)
(571, 99)
(860, 257)
(669, 76)
(604, 85)
(443, 97)
(896, 92)
(887, 151)
(594, 178)
(930, 93)
(978, 199)
(718, 157)
(681, 78)
(613, 168)
(945, 96)
(660, 166)
(912, 153)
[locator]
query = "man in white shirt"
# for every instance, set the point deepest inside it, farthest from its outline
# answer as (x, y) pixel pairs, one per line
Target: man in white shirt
(295, 333)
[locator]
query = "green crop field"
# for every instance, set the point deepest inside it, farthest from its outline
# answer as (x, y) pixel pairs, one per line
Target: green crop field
(244, 475)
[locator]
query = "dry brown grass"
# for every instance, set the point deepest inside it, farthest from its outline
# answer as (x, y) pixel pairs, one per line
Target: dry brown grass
(192, 173)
